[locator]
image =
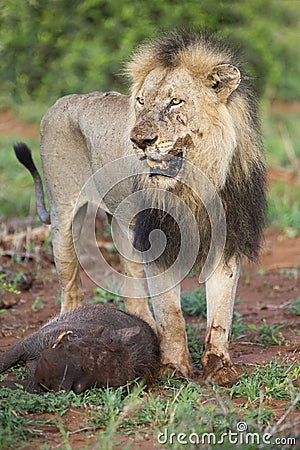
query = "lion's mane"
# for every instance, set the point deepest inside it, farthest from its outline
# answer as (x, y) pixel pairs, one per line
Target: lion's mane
(243, 192)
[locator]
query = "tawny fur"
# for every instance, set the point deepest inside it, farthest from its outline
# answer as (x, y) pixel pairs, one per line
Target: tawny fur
(211, 124)
(230, 153)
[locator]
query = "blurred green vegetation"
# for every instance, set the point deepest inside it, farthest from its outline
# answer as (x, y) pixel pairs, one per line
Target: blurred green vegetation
(284, 207)
(17, 196)
(49, 48)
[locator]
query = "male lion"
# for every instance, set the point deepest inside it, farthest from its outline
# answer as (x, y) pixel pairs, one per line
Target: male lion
(189, 105)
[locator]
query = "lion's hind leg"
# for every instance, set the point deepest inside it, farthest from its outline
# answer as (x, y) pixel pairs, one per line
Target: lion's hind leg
(66, 261)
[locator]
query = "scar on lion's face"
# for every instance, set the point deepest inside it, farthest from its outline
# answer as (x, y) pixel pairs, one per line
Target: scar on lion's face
(178, 117)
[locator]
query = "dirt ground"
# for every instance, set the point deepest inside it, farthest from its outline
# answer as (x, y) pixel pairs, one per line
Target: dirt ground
(266, 291)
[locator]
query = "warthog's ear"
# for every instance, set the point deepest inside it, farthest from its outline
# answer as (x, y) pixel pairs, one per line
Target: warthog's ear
(224, 79)
(125, 334)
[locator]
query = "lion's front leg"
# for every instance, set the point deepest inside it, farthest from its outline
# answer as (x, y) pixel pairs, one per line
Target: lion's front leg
(135, 297)
(220, 295)
(169, 320)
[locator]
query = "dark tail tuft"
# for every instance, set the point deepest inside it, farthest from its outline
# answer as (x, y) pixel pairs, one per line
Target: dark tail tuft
(23, 154)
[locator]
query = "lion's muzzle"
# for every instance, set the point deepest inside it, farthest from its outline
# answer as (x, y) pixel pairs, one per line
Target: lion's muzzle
(168, 165)
(142, 141)
(165, 158)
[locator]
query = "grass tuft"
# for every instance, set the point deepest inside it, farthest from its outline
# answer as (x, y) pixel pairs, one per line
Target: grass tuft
(277, 380)
(193, 302)
(268, 334)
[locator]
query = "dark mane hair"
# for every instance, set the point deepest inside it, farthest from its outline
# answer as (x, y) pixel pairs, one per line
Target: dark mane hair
(243, 194)
(170, 45)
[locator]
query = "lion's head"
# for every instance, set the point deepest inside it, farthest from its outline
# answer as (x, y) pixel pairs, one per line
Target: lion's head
(189, 104)
(185, 106)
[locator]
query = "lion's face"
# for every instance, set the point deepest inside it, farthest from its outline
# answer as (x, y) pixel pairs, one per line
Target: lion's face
(178, 118)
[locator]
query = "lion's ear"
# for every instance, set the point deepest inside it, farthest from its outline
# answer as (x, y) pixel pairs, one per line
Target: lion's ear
(224, 79)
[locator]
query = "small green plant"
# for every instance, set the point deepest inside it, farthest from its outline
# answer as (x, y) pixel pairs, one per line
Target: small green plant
(239, 329)
(289, 273)
(193, 302)
(107, 297)
(37, 304)
(195, 343)
(261, 272)
(20, 372)
(268, 334)
(276, 380)
(8, 285)
(295, 307)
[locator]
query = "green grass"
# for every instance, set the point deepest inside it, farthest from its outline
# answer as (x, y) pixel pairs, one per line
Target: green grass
(17, 197)
(280, 129)
(9, 285)
(102, 296)
(37, 304)
(193, 302)
(171, 406)
(268, 333)
(239, 329)
(276, 380)
(195, 344)
(294, 308)
(284, 208)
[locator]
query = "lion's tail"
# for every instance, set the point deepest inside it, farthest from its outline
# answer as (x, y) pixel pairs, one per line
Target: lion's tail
(23, 154)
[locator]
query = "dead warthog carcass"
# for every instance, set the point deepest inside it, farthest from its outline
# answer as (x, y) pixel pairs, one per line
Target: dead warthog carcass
(94, 345)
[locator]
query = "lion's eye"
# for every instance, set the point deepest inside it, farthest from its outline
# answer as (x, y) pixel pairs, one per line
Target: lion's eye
(140, 100)
(176, 101)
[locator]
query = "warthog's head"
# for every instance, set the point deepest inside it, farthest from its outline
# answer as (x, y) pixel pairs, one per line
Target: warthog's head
(94, 345)
(102, 358)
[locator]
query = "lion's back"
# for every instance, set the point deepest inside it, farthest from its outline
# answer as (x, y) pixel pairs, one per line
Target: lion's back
(80, 134)
(89, 120)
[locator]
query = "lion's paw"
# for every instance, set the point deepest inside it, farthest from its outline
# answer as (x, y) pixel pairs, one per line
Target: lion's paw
(185, 371)
(221, 372)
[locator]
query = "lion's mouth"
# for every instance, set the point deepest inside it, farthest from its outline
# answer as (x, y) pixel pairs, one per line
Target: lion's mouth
(168, 166)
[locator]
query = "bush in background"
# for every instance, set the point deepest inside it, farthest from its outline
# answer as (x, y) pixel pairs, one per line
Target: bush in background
(49, 48)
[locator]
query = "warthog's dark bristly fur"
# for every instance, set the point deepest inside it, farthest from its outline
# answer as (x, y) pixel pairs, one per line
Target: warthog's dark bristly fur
(90, 346)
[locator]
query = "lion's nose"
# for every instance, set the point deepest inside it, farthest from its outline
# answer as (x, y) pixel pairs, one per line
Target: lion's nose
(142, 141)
